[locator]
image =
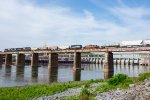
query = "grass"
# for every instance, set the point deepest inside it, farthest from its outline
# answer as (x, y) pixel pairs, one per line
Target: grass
(122, 81)
(33, 91)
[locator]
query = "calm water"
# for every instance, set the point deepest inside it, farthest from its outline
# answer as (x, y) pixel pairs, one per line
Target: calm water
(19, 76)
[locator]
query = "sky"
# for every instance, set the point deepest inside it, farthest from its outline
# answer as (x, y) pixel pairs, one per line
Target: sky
(33, 23)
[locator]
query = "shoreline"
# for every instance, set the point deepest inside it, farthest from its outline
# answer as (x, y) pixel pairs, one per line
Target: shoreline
(67, 90)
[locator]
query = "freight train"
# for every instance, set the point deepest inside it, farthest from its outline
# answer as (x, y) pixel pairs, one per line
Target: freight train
(123, 44)
(17, 49)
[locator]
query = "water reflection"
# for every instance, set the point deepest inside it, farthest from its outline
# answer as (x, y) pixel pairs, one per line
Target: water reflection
(20, 73)
(76, 75)
(34, 73)
(0, 67)
(7, 71)
(53, 74)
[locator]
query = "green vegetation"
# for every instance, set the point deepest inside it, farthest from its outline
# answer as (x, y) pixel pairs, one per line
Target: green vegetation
(120, 81)
(144, 76)
(33, 91)
(117, 79)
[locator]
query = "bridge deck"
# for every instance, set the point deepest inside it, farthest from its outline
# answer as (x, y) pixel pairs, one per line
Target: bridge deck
(83, 50)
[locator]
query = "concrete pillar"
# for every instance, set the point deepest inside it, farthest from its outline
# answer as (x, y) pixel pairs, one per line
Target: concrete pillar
(116, 61)
(129, 61)
(94, 60)
(8, 59)
(108, 75)
(1, 59)
(97, 61)
(20, 61)
(77, 61)
(120, 61)
(138, 61)
(124, 62)
(53, 60)
(108, 65)
(101, 60)
(133, 61)
(35, 59)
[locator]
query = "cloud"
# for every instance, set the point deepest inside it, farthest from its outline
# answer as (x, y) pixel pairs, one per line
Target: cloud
(134, 19)
(26, 24)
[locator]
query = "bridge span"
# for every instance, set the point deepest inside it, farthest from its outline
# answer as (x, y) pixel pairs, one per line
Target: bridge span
(135, 49)
(53, 56)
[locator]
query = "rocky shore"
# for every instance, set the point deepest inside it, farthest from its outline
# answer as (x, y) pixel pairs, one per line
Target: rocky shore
(67, 93)
(134, 92)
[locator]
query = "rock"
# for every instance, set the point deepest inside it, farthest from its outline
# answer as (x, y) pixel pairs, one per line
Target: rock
(147, 84)
(131, 85)
(145, 80)
(136, 92)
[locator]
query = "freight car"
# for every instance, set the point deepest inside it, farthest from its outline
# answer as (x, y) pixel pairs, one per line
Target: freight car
(73, 47)
(91, 47)
(17, 49)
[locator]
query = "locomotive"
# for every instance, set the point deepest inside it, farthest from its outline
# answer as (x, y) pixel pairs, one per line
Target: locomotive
(17, 49)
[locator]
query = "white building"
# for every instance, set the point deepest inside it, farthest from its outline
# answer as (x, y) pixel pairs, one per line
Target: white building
(131, 43)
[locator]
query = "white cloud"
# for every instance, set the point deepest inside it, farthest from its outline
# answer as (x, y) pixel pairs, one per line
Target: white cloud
(134, 19)
(26, 24)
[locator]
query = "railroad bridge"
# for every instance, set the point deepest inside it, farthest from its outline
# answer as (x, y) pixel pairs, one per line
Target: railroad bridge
(53, 56)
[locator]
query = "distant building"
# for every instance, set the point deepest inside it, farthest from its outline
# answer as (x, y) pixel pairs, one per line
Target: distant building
(132, 43)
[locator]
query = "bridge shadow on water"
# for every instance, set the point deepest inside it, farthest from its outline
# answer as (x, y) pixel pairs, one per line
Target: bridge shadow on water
(43, 74)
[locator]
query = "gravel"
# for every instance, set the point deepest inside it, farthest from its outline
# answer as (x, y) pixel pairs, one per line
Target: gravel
(135, 92)
(67, 93)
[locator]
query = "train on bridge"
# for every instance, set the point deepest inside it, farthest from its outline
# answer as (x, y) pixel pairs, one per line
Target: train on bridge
(123, 44)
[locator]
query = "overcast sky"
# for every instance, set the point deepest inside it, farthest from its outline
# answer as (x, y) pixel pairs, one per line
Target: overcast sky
(63, 22)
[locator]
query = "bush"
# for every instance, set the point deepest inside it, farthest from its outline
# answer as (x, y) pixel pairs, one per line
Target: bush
(144, 76)
(117, 79)
(105, 88)
(85, 91)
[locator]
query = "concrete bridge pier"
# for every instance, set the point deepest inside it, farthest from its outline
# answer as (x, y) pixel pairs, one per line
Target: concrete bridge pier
(108, 75)
(124, 61)
(129, 61)
(138, 61)
(20, 61)
(34, 59)
(1, 59)
(94, 60)
(8, 59)
(108, 65)
(53, 60)
(115, 61)
(132, 61)
(77, 61)
(97, 61)
(101, 61)
(120, 61)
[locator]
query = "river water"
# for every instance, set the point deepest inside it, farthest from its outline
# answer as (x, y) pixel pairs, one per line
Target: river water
(20, 76)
